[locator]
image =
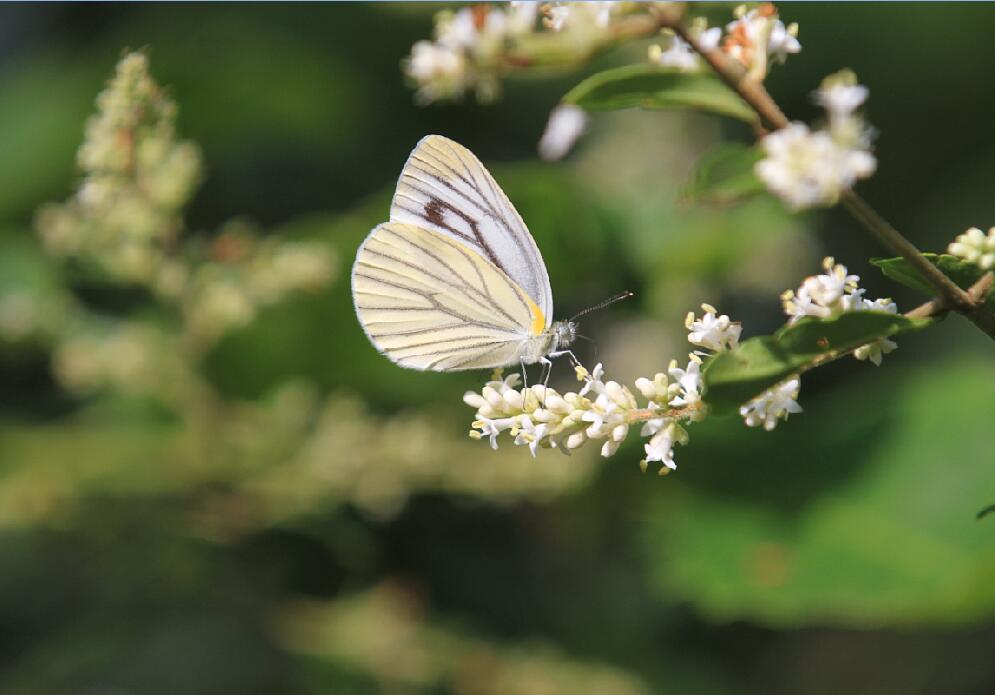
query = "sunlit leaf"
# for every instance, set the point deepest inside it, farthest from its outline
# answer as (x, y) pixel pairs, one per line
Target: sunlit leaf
(652, 87)
(957, 269)
(724, 176)
(735, 376)
(860, 512)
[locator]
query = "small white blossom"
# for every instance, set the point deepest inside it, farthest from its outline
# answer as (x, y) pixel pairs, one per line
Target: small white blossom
(824, 296)
(773, 404)
(874, 351)
(712, 332)
(679, 55)
(783, 41)
(689, 383)
(440, 71)
(457, 31)
(566, 123)
(806, 168)
(579, 16)
(745, 35)
(656, 390)
(709, 39)
(975, 247)
(660, 447)
(841, 100)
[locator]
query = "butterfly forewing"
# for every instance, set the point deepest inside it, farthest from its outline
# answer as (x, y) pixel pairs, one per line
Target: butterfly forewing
(444, 188)
(429, 302)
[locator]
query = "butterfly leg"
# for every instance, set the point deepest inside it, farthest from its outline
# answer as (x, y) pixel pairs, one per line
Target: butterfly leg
(525, 375)
(547, 370)
(568, 353)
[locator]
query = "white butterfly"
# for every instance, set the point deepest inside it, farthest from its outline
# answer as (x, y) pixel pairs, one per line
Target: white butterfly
(454, 280)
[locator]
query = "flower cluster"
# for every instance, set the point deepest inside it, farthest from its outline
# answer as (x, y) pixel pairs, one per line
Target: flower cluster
(245, 276)
(679, 55)
(975, 247)
(130, 357)
(468, 51)
(712, 331)
(474, 47)
(833, 293)
(137, 178)
(774, 404)
(807, 168)
(755, 38)
(539, 416)
(715, 332)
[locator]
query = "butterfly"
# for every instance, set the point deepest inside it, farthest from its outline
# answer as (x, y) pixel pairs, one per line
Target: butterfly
(455, 280)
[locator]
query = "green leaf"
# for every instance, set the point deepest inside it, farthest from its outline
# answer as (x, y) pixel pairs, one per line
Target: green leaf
(735, 376)
(652, 87)
(860, 513)
(724, 176)
(957, 269)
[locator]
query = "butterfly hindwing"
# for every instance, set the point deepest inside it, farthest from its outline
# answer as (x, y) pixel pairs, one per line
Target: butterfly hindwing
(429, 302)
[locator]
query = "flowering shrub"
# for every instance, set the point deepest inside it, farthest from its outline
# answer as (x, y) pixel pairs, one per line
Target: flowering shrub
(692, 65)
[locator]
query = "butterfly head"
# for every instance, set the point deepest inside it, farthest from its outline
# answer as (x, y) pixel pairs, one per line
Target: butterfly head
(564, 333)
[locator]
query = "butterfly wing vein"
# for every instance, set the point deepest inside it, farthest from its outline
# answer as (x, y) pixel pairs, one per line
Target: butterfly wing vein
(429, 302)
(444, 188)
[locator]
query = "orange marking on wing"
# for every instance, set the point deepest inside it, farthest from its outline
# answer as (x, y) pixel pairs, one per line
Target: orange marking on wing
(538, 320)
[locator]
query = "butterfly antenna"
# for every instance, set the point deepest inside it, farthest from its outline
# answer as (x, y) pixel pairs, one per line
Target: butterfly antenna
(611, 300)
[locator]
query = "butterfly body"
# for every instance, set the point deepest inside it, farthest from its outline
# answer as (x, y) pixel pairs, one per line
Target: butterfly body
(454, 280)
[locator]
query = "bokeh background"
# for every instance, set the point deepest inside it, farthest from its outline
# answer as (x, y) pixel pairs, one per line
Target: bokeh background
(317, 521)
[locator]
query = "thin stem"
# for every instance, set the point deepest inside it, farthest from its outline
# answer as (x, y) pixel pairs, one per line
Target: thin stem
(754, 93)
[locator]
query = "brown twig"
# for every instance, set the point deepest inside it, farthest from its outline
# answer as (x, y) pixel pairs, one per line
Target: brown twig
(753, 92)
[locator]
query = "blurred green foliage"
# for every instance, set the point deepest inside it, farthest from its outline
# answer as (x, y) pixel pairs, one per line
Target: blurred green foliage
(313, 519)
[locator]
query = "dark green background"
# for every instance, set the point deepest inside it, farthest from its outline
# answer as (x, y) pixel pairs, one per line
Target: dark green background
(839, 552)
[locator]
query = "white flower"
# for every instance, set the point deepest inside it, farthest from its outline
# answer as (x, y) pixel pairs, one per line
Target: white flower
(874, 351)
(975, 247)
(806, 168)
(833, 293)
(828, 289)
(679, 55)
(661, 446)
(458, 30)
(826, 295)
(566, 124)
(783, 41)
(840, 99)
(656, 390)
(709, 39)
(581, 16)
(689, 384)
(712, 332)
(530, 434)
(746, 33)
(440, 71)
(773, 404)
